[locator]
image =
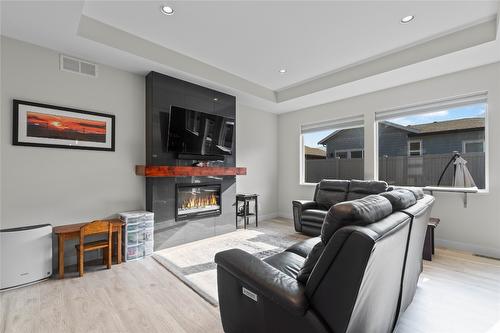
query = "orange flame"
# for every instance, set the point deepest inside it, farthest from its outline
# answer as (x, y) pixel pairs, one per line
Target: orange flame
(199, 202)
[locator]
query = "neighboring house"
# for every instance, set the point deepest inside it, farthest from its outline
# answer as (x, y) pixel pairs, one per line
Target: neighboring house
(312, 153)
(462, 135)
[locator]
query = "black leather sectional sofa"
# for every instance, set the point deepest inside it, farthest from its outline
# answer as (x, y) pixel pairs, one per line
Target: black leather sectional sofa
(308, 215)
(359, 275)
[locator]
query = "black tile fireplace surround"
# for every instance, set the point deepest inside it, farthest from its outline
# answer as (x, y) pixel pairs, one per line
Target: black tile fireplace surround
(172, 228)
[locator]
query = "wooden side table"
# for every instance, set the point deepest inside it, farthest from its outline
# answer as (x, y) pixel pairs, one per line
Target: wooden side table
(72, 231)
(245, 213)
(429, 238)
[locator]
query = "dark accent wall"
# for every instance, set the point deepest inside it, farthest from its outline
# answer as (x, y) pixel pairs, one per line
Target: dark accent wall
(162, 92)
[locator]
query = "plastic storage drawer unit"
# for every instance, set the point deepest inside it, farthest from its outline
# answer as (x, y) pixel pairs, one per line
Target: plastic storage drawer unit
(138, 238)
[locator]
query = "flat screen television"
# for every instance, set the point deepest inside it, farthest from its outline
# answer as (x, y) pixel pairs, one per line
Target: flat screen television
(199, 133)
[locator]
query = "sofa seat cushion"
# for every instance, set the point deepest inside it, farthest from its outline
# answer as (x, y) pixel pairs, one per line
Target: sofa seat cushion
(286, 262)
(313, 215)
(303, 248)
(361, 188)
(331, 192)
(309, 263)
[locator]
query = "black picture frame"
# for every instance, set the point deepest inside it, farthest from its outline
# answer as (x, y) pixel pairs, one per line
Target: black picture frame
(85, 145)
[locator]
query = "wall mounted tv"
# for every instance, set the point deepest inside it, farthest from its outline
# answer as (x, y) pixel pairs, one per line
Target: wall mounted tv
(199, 133)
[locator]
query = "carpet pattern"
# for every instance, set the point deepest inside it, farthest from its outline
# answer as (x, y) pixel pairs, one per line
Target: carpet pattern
(193, 263)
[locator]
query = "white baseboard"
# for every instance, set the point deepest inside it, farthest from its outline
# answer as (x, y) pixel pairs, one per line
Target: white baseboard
(266, 217)
(286, 215)
(467, 247)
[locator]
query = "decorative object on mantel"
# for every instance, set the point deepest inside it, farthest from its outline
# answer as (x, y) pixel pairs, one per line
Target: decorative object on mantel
(43, 125)
(180, 171)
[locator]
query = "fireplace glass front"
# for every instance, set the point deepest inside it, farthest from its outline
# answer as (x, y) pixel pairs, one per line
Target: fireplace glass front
(197, 200)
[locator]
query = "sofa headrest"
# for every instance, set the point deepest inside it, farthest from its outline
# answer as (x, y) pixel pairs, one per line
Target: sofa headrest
(334, 185)
(417, 191)
(330, 192)
(400, 198)
(368, 186)
(363, 211)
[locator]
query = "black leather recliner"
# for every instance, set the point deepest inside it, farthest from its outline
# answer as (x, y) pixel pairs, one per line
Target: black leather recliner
(308, 215)
(357, 277)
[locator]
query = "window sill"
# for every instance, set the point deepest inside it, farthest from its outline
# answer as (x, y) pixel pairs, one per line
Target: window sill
(307, 184)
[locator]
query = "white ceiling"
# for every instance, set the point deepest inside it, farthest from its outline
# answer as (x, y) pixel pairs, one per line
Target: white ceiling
(238, 47)
(255, 39)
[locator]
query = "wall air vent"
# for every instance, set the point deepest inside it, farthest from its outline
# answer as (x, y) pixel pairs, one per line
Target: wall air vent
(74, 65)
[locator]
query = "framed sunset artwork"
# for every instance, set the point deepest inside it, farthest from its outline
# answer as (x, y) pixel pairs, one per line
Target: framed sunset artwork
(43, 125)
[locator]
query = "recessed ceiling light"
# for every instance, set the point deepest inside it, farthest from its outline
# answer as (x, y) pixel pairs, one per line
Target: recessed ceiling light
(282, 71)
(407, 19)
(216, 99)
(167, 10)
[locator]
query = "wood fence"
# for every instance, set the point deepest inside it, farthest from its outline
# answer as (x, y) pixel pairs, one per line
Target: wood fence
(398, 170)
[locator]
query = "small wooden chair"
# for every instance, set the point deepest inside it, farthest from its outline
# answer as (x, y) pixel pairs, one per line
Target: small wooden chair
(94, 228)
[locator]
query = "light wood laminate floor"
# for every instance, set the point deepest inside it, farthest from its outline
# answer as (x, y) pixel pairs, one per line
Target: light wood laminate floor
(458, 292)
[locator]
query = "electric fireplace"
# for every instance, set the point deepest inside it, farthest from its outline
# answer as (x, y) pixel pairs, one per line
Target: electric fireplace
(197, 200)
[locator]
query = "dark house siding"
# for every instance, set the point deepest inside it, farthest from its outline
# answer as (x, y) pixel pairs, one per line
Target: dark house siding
(392, 141)
(442, 143)
(351, 139)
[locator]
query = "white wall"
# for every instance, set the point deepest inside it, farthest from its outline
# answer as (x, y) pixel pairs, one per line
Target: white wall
(257, 149)
(60, 186)
(476, 228)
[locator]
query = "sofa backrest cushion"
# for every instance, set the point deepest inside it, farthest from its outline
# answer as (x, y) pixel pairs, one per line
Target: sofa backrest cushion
(363, 211)
(417, 191)
(400, 198)
(361, 188)
(330, 192)
(360, 212)
(355, 284)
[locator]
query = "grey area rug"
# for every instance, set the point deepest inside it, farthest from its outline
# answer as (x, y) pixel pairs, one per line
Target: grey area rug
(193, 263)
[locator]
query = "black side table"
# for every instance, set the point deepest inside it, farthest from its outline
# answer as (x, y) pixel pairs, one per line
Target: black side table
(245, 210)
(429, 238)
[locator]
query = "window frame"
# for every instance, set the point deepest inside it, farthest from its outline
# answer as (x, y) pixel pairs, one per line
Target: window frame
(354, 121)
(420, 150)
(480, 97)
(465, 142)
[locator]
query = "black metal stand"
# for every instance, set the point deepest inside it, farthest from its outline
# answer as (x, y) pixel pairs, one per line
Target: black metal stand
(453, 159)
(245, 210)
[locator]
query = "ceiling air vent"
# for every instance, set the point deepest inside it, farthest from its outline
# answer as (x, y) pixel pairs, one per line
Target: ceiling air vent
(74, 65)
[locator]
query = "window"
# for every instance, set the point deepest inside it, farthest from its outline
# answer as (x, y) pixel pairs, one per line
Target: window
(434, 133)
(342, 154)
(349, 154)
(356, 153)
(415, 148)
(332, 150)
(473, 146)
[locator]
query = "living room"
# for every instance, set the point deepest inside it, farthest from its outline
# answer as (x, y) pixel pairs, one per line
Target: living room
(247, 175)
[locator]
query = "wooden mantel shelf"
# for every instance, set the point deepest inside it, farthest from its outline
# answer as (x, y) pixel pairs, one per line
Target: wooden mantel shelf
(182, 171)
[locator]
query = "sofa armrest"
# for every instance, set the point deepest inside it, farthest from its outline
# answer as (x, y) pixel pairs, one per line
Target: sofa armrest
(305, 204)
(298, 207)
(264, 279)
